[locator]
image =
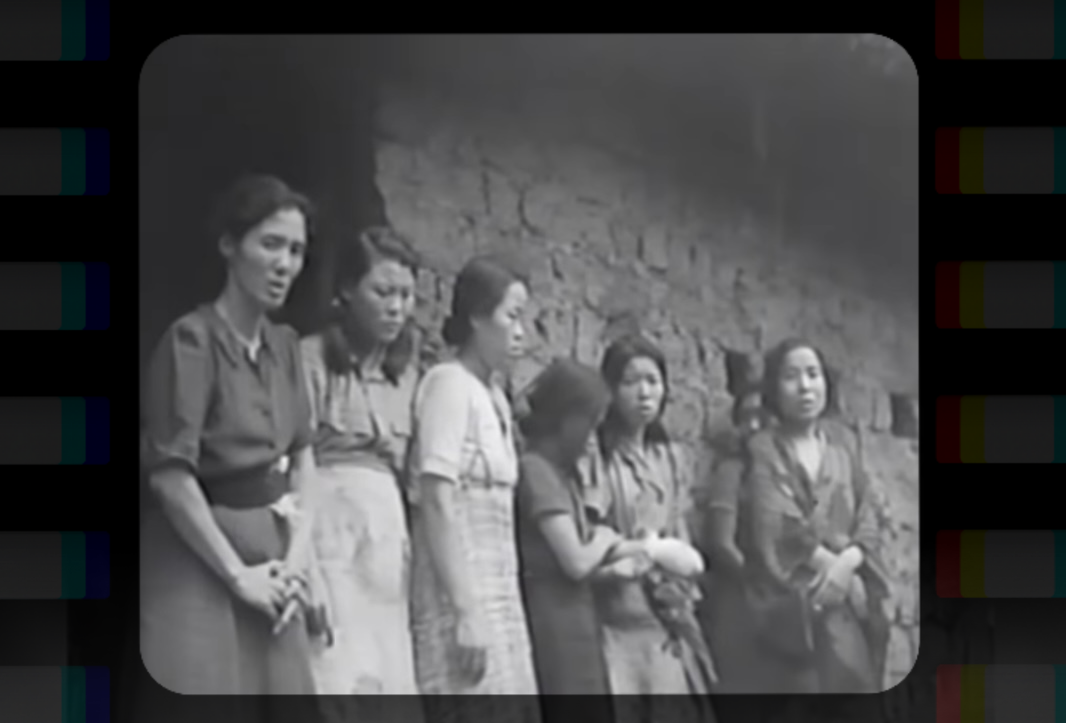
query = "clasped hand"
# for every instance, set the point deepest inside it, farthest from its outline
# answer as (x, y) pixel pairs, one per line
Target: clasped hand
(832, 584)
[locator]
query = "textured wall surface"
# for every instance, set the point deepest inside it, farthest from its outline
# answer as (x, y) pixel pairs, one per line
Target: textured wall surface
(613, 239)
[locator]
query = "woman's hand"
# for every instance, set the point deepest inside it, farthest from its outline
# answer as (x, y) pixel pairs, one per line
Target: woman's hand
(631, 567)
(834, 584)
(263, 587)
(471, 639)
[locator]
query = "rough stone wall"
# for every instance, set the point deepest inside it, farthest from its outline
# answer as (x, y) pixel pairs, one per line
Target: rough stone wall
(613, 240)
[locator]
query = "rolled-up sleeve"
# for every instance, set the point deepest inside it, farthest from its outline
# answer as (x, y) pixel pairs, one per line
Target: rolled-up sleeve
(303, 414)
(442, 416)
(176, 396)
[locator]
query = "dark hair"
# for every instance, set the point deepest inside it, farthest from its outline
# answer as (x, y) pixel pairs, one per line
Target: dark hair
(479, 289)
(775, 361)
(566, 388)
(251, 200)
(617, 357)
(355, 258)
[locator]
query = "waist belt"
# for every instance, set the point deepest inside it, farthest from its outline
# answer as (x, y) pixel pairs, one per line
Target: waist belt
(248, 489)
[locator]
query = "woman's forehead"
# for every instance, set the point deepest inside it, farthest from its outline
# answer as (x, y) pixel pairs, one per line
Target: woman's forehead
(801, 358)
(287, 223)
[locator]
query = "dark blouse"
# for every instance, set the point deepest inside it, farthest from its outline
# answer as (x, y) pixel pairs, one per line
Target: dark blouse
(212, 409)
(543, 491)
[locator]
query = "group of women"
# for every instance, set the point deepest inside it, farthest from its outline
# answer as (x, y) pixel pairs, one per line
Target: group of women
(328, 515)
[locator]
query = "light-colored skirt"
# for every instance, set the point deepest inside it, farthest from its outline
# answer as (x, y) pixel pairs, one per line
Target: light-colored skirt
(485, 523)
(363, 552)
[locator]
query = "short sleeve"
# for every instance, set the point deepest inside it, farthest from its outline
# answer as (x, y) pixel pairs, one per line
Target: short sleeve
(177, 394)
(540, 491)
(442, 416)
(303, 429)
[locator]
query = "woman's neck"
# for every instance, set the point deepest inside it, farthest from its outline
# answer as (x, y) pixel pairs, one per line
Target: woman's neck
(245, 316)
(633, 438)
(362, 344)
(477, 366)
(800, 431)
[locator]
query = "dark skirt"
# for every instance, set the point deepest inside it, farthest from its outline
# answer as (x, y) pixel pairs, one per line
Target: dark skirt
(565, 634)
(195, 637)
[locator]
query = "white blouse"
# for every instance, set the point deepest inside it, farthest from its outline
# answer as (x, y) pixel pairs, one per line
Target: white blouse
(463, 429)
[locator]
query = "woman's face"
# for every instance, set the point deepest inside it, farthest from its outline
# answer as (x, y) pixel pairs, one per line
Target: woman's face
(500, 337)
(640, 393)
(267, 260)
(801, 386)
(382, 302)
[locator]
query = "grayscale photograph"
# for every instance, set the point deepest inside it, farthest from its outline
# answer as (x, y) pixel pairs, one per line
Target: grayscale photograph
(529, 365)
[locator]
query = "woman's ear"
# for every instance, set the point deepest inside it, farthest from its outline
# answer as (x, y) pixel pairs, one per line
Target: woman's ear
(227, 246)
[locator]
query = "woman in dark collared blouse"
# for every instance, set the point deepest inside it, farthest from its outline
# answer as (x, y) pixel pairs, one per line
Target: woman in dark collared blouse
(226, 438)
(816, 572)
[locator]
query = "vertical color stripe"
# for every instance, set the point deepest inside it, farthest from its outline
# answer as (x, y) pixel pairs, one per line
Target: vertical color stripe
(948, 566)
(947, 29)
(1060, 670)
(972, 295)
(97, 29)
(97, 695)
(947, 294)
(73, 430)
(97, 430)
(947, 159)
(973, 694)
(949, 694)
(73, 296)
(1060, 566)
(971, 29)
(97, 296)
(74, 695)
(1060, 294)
(972, 430)
(73, 29)
(1059, 422)
(1060, 131)
(73, 565)
(972, 563)
(97, 162)
(97, 565)
(972, 157)
(1060, 39)
(73, 140)
(949, 430)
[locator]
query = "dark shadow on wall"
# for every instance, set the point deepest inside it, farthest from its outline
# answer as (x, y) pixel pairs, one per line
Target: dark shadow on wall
(212, 108)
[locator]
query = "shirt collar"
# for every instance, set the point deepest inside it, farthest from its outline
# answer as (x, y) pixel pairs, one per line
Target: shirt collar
(234, 346)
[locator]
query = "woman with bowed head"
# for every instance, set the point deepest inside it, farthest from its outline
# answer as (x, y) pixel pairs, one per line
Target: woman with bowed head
(640, 486)
(560, 550)
(818, 577)
(226, 445)
(362, 371)
(469, 624)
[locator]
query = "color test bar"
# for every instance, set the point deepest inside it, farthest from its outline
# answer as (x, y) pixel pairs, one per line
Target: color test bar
(56, 695)
(55, 296)
(55, 565)
(1001, 564)
(55, 30)
(1000, 29)
(1001, 694)
(54, 430)
(1029, 161)
(1001, 295)
(1001, 430)
(55, 162)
